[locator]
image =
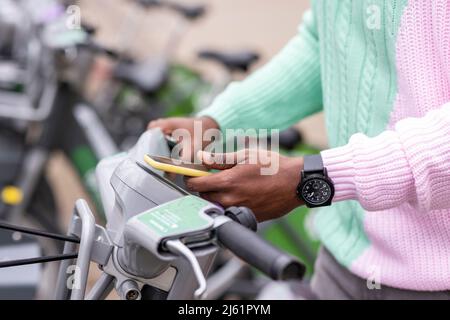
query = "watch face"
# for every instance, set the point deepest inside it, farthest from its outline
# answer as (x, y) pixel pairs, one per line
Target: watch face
(316, 191)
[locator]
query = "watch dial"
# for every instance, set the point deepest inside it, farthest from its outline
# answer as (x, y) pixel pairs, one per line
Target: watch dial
(316, 191)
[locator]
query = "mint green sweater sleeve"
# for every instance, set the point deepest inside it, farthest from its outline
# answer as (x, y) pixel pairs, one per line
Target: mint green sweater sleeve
(279, 94)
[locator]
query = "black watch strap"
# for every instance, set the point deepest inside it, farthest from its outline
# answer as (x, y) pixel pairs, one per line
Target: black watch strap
(313, 163)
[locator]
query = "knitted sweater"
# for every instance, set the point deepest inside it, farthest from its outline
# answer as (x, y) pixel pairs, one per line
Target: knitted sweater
(381, 71)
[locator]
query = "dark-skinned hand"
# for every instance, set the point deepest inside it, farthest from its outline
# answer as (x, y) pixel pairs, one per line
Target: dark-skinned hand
(240, 182)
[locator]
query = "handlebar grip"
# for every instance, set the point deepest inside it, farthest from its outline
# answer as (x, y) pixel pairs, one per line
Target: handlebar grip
(248, 246)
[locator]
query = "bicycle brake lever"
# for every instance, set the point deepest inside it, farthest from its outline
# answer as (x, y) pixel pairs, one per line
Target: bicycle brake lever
(178, 248)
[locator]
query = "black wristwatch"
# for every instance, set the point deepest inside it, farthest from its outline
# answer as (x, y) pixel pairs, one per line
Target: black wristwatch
(315, 188)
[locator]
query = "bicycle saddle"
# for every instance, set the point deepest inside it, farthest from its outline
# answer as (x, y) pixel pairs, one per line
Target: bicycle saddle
(148, 76)
(290, 138)
(233, 61)
(149, 3)
(190, 12)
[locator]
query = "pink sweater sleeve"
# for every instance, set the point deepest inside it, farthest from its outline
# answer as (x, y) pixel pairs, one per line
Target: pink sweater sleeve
(408, 164)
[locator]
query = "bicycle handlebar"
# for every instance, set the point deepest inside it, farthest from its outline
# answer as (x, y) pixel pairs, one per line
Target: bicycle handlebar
(248, 246)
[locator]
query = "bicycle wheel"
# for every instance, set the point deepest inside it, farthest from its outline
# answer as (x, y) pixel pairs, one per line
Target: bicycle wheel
(42, 214)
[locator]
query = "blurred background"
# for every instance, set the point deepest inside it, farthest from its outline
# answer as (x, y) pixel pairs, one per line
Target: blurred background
(228, 25)
(128, 55)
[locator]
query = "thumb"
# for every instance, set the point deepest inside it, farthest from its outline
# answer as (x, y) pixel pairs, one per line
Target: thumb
(219, 161)
(166, 125)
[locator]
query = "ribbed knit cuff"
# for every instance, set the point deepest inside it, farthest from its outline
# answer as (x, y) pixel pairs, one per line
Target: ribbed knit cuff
(225, 116)
(374, 171)
(339, 164)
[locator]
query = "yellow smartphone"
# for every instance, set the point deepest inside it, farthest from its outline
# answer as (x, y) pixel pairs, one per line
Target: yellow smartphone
(176, 166)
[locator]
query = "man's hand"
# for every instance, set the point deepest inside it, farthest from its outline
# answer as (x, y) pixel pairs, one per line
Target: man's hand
(240, 182)
(169, 125)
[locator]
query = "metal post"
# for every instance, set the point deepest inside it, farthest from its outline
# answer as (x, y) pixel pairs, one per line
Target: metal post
(102, 287)
(84, 252)
(62, 290)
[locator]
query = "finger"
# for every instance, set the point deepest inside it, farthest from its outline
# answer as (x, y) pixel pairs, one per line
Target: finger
(187, 150)
(208, 196)
(221, 198)
(215, 182)
(154, 124)
(191, 145)
(165, 125)
(221, 161)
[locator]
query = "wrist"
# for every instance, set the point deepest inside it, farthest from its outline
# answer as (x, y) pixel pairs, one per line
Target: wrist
(294, 169)
(316, 188)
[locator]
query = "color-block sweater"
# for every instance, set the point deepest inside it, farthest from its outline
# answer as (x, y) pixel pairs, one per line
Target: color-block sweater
(380, 69)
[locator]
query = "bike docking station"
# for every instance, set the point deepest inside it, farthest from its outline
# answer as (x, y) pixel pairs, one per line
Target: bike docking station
(159, 241)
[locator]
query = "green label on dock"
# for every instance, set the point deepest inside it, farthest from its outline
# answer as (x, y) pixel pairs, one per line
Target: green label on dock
(177, 217)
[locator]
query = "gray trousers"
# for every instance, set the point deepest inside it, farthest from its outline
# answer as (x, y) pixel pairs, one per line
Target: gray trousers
(333, 281)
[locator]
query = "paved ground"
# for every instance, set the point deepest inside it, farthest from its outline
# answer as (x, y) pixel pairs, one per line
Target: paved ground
(230, 24)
